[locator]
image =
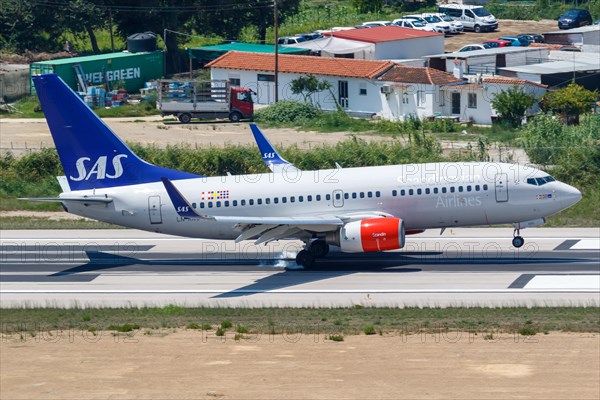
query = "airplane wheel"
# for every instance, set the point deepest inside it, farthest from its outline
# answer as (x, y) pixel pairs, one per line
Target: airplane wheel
(305, 259)
(518, 241)
(319, 248)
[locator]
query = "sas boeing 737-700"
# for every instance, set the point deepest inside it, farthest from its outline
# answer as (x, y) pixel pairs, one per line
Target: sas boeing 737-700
(365, 209)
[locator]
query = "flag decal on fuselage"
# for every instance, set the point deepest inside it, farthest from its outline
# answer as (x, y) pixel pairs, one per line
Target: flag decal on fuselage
(215, 195)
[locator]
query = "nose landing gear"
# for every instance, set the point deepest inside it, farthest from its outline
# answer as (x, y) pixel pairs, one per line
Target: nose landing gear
(518, 240)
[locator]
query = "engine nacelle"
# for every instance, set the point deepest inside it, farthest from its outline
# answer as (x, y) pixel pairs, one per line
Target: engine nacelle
(374, 234)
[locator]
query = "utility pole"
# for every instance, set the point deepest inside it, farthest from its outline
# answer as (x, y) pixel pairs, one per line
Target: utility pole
(275, 30)
(112, 40)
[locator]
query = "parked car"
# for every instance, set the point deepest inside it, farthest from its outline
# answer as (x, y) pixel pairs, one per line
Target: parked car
(475, 18)
(439, 26)
(373, 24)
(455, 26)
(414, 24)
(473, 47)
(597, 22)
(495, 43)
(310, 36)
(516, 41)
(574, 18)
(532, 37)
(290, 40)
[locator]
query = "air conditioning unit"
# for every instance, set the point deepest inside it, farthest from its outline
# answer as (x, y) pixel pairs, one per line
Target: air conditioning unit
(386, 89)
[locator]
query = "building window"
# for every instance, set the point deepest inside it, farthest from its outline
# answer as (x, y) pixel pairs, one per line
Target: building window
(442, 98)
(362, 89)
(472, 100)
(265, 78)
(404, 98)
(235, 82)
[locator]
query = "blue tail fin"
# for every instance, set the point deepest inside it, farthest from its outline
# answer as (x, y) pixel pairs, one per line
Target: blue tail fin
(91, 154)
(268, 153)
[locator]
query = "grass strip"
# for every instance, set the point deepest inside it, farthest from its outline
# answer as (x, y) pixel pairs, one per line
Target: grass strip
(350, 320)
(11, 223)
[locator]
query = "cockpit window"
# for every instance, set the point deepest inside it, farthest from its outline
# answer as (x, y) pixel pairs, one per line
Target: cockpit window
(540, 181)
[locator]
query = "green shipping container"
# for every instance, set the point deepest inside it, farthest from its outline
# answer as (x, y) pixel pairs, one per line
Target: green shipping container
(129, 70)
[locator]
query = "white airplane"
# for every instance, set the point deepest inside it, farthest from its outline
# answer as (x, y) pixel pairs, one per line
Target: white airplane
(366, 209)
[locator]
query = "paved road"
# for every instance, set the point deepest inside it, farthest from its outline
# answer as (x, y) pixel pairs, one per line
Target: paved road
(462, 267)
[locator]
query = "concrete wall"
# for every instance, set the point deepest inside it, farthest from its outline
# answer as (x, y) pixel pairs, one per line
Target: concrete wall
(14, 82)
(409, 48)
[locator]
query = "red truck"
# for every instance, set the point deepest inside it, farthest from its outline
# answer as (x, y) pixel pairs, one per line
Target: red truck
(204, 99)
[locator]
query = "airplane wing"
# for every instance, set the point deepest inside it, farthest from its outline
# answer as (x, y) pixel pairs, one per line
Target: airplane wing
(268, 228)
(269, 154)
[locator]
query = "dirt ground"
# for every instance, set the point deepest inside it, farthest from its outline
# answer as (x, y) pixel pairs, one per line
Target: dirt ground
(187, 364)
(505, 27)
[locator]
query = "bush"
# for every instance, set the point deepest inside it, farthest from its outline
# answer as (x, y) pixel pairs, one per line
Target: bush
(336, 338)
(241, 329)
(527, 331)
(369, 330)
(220, 332)
(226, 324)
(124, 327)
(286, 111)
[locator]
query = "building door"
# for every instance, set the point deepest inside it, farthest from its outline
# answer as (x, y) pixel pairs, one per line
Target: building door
(266, 89)
(501, 187)
(154, 210)
(343, 94)
(338, 198)
(455, 103)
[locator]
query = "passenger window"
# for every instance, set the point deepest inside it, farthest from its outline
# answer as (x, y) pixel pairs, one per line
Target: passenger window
(477, 188)
(300, 199)
(362, 195)
(451, 189)
(338, 196)
(460, 188)
(369, 194)
(218, 204)
(419, 191)
(210, 205)
(259, 201)
(243, 202)
(443, 190)
(394, 193)
(403, 192)
(469, 188)
(201, 205)
(292, 199)
(378, 194)
(411, 192)
(427, 191)
(435, 190)
(485, 187)
(284, 199)
(309, 198)
(251, 202)
(346, 196)
(226, 203)
(276, 200)
(318, 197)
(193, 205)
(235, 203)
(353, 195)
(327, 197)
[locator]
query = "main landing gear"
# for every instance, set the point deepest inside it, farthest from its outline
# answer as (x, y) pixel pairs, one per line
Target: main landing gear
(518, 240)
(313, 250)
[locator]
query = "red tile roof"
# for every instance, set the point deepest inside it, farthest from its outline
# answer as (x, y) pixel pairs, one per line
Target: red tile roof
(345, 67)
(422, 75)
(547, 45)
(382, 34)
(511, 81)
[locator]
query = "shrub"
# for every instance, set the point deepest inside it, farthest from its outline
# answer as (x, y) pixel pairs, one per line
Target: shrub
(286, 111)
(226, 324)
(220, 332)
(369, 330)
(123, 328)
(241, 329)
(527, 331)
(336, 338)
(192, 325)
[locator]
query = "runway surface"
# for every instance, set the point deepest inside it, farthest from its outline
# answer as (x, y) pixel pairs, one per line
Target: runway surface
(463, 267)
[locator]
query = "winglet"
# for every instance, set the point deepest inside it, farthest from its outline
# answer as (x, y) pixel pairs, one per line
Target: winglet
(268, 153)
(182, 206)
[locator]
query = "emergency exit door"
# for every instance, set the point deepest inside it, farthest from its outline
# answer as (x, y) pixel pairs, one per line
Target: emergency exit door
(154, 210)
(501, 187)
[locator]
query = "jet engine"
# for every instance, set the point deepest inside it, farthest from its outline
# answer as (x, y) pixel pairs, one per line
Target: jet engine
(374, 234)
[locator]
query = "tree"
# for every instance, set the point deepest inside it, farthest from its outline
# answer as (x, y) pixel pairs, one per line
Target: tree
(569, 102)
(84, 16)
(308, 85)
(366, 6)
(511, 104)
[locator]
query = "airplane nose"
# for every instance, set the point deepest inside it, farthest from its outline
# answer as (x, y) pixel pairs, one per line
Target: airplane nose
(569, 195)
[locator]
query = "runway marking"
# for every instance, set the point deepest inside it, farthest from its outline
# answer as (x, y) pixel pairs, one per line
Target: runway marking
(586, 282)
(587, 244)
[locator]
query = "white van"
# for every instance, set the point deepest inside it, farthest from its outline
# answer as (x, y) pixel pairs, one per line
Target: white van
(474, 18)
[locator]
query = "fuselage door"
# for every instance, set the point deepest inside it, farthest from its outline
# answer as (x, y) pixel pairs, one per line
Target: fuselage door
(154, 210)
(338, 198)
(501, 187)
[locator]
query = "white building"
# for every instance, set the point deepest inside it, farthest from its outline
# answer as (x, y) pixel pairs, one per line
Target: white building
(472, 102)
(587, 38)
(392, 42)
(414, 91)
(352, 81)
